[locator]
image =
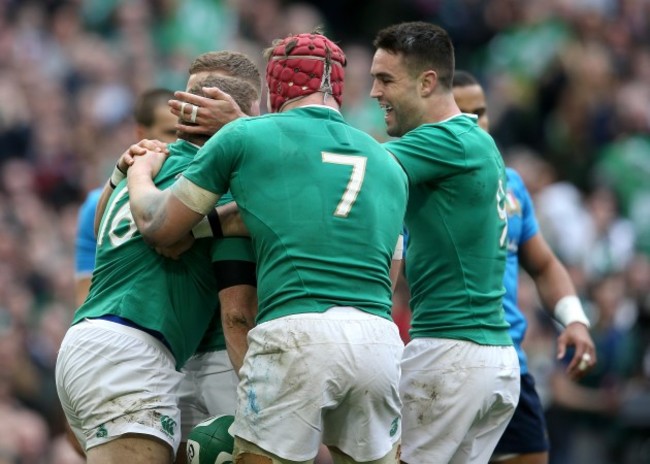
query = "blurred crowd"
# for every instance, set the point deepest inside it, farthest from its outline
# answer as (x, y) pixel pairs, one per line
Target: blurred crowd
(568, 84)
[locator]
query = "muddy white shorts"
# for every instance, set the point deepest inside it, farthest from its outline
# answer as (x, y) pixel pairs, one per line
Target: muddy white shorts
(458, 398)
(113, 379)
(332, 377)
(209, 388)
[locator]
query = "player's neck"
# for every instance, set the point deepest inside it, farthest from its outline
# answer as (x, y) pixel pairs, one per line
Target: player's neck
(317, 98)
(196, 139)
(440, 108)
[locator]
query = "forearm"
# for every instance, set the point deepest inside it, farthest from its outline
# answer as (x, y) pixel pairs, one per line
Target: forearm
(146, 203)
(117, 176)
(238, 311)
(553, 283)
(236, 333)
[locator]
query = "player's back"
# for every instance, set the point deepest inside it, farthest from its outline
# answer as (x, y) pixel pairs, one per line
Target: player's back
(324, 203)
(173, 297)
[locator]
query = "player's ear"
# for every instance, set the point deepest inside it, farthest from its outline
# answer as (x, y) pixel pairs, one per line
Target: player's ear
(428, 81)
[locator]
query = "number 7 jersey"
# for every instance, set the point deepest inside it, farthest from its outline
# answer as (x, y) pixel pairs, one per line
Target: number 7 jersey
(457, 224)
(324, 204)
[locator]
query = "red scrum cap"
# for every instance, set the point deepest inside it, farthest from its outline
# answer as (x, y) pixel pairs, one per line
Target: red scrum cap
(303, 64)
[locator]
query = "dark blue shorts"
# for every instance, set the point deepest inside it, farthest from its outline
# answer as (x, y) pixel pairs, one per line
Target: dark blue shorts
(526, 432)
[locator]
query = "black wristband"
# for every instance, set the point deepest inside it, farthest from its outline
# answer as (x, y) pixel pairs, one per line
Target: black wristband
(215, 224)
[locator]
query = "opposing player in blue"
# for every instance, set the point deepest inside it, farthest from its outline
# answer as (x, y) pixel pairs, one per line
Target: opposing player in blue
(525, 439)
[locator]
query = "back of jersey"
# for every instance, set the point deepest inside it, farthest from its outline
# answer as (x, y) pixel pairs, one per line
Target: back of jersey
(324, 203)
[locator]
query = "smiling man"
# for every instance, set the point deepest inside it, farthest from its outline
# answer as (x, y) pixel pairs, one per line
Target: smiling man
(460, 374)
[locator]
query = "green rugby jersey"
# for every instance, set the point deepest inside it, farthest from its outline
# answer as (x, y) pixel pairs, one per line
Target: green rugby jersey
(457, 223)
(323, 202)
(173, 297)
(225, 249)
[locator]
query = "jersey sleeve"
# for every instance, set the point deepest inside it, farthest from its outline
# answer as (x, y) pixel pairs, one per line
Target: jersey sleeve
(233, 262)
(214, 163)
(428, 153)
(529, 226)
(86, 242)
(233, 249)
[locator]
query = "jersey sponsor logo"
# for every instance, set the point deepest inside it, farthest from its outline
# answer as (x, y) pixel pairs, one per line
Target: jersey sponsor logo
(168, 425)
(393, 426)
(101, 431)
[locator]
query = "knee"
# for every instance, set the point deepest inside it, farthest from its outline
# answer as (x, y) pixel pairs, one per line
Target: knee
(250, 458)
(246, 452)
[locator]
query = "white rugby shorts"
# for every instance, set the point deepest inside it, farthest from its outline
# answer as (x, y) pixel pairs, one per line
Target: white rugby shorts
(330, 376)
(113, 380)
(458, 398)
(208, 388)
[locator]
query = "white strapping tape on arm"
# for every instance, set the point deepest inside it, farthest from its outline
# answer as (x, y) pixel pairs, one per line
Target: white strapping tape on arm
(399, 248)
(569, 310)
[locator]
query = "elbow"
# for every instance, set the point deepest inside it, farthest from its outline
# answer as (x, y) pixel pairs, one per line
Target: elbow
(152, 231)
(154, 236)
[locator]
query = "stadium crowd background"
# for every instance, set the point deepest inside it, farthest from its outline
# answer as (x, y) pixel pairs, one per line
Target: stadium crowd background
(568, 84)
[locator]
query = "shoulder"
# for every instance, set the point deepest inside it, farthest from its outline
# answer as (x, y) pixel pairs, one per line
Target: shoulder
(89, 204)
(93, 197)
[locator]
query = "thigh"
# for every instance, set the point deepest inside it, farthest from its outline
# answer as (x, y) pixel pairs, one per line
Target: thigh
(133, 450)
(246, 452)
(115, 380)
(449, 388)
(393, 457)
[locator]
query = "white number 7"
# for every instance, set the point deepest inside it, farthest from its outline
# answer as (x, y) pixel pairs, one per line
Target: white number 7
(358, 164)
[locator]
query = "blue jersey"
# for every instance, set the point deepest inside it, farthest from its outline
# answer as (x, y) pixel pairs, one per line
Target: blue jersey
(522, 226)
(86, 243)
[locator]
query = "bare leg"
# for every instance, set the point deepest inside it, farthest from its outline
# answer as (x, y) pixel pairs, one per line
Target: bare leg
(132, 448)
(392, 457)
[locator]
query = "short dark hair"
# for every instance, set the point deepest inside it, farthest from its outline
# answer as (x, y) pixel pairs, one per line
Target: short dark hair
(233, 64)
(423, 45)
(240, 90)
(464, 79)
(146, 104)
